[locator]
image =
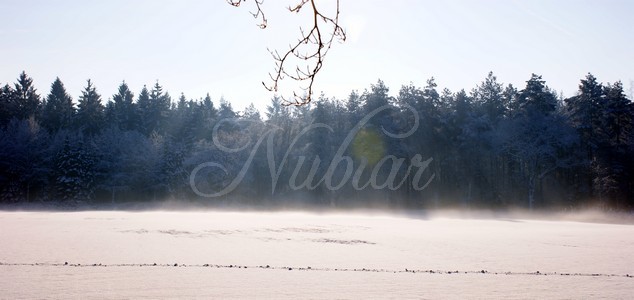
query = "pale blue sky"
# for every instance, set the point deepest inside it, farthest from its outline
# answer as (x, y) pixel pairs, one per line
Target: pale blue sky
(200, 46)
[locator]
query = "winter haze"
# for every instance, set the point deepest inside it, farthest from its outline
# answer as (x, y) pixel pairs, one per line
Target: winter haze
(450, 150)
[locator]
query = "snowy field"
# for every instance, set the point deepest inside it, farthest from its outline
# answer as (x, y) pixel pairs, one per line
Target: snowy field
(80, 255)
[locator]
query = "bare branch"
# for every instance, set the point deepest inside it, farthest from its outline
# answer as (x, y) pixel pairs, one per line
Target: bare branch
(257, 14)
(311, 48)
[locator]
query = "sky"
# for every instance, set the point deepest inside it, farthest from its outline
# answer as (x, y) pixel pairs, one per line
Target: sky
(197, 47)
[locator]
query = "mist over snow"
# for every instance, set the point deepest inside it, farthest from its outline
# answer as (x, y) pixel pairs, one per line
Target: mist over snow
(171, 254)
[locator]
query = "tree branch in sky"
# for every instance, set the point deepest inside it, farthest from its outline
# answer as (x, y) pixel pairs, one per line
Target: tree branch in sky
(310, 50)
(258, 14)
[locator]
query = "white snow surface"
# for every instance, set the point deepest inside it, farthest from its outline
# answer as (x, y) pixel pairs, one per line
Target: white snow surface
(111, 254)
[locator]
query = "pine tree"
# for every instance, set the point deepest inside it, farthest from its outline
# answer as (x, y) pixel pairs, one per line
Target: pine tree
(173, 174)
(540, 144)
(178, 123)
(225, 111)
(613, 161)
(537, 97)
(24, 160)
(251, 113)
(73, 172)
(154, 109)
(377, 97)
(509, 97)
(181, 105)
(6, 105)
(90, 113)
(25, 101)
(58, 109)
(210, 113)
(489, 96)
(145, 112)
(584, 111)
(584, 114)
(124, 109)
(353, 109)
(277, 113)
(160, 104)
(617, 117)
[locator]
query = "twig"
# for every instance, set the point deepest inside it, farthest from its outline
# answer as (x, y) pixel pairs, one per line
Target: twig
(257, 14)
(311, 48)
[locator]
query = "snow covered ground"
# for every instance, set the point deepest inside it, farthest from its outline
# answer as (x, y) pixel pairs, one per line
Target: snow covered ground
(299, 255)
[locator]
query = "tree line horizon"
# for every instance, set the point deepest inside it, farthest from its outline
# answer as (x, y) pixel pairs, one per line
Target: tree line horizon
(496, 146)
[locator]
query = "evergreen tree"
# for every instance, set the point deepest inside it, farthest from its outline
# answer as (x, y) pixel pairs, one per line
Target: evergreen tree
(252, 113)
(509, 97)
(181, 105)
(154, 109)
(58, 109)
(537, 140)
(353, 109)
(584, 114)
(489, 97)
(6, 104)
(489, 148)
(537, 97)
(617, 118)
(25, 101)
(276, 112)
(124, 109)
(210, 113)
(377, 97)
(90, 113)
(540, 144)
(613, 163)
(73, 172)
(178, 126)
(159, 109)
(584, 111)
(225, 111)
(145, 112)
(24, 160)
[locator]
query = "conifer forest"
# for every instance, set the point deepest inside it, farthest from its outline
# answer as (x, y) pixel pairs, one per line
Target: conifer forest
(492, 146)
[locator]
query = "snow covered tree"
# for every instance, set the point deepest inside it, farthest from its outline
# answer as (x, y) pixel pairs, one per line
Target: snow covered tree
(24, 160)
(539, 144)
(536, 139)
(612, 164)
(73, 172)
(128, 164)
(173, 174)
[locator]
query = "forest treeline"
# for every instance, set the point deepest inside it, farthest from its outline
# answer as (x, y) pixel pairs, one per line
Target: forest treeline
(494, 146)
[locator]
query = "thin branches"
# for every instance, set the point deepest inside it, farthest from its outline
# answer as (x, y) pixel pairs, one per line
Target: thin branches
(258, 14)
(310, 50)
